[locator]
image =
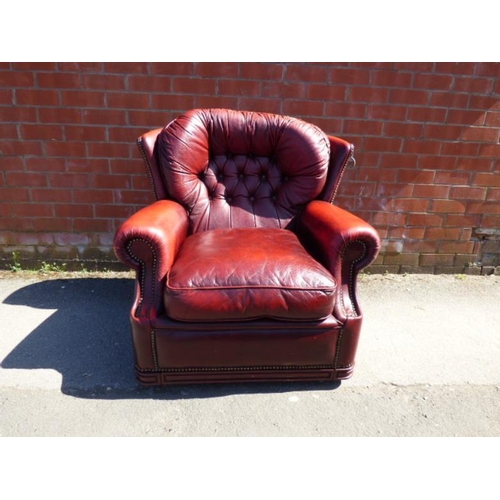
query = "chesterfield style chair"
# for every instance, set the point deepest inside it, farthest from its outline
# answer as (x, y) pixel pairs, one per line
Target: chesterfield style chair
(245, 269)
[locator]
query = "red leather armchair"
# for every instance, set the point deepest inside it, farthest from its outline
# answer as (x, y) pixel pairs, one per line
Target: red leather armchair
(245, 269)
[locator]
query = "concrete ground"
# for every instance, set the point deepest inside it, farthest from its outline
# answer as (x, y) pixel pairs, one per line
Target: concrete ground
(427, 365)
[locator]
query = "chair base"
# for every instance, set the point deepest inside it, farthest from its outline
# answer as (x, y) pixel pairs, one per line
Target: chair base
(238, 375)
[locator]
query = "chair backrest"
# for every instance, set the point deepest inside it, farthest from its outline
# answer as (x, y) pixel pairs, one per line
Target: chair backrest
(243, 169)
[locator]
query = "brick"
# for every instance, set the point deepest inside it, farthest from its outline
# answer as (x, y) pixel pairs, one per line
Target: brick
(448, 206)
(66, 149)
(94, 196)
(409, 205)
(391, 78)
(141, 182)
(449, 99)
(128, 100)
(239, 87)
(413, 233)
(481, 134)
(172, 101)
(330, 126)
(59, 80)
(136, 197)
(51, 195)
(389, 189)
(34, 66)
(420, 67)
(453, 220)
(64, 239)
(491, 221)
(172, 68)
(363, 127)
(369, 94)
(60, 115)
(52, 224)
(427, 114)
(92, 67)
(460, 149)
(25, 179)
(84, 133)
(46, 132)
(346, 109)
(436, 259)
(325, 92)
(306, 73)
(283, 89)
(488, 69)
(45, 164)
(211, 69)
(113, 181)
(492, 119)
(69, 180)
(442, 233)
(483, 102)
(465, 117)
(386, 112)
(478, 164)
(452, 178)
(6, 96)
(415, 176)
(489, 150)
(262, 71)
(194, 85)
(36, 210)
(34, 97)
(34, 239)
(104, 116)
(457, 247)
(104, 82)
(437, 162)
(408, 259)
(84, 165)
(389, 219)
(457, 68)
(482, 179)
(449, 132)
(17, 114)
(114, 211)
(398, 129)
(433, 81)
(354, 188)
(11, 163)
(468, 193)
(483, 208)
(109, 149)
(20, 148)
(426, 191)
(382, 144)
(126, 67)
(350, 76)
(16, 79)
(407, 96)
(82, 98)
(73, 210)
(230, 102)
(399, 161)
(149, 119)
(493, 195)
(302, 108)
(473, 85)
(14, 194)
(93, 225)
(129, 166)
(8, 131)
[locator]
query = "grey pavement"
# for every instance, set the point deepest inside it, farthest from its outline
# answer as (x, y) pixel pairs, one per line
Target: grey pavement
(427, 365)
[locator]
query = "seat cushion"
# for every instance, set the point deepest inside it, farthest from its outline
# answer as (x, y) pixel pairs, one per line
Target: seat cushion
(243, 274)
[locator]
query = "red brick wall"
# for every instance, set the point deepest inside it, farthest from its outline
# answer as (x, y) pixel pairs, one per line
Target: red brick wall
(426, 136)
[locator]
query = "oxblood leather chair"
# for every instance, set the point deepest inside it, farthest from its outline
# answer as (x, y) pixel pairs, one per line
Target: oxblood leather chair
(245, 270)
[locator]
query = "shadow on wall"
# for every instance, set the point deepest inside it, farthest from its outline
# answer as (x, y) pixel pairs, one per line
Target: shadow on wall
(88, 341)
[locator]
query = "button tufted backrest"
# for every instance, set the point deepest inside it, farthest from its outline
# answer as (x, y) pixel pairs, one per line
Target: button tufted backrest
(242, 169)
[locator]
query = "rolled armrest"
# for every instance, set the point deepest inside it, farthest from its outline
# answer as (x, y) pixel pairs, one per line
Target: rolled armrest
(343, 243)
(148, 242)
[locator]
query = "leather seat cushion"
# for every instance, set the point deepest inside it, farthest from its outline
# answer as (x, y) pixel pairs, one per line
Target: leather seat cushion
(243, 274)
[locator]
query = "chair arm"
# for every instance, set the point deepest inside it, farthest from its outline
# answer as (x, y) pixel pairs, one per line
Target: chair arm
(148, 242)
(343, 243)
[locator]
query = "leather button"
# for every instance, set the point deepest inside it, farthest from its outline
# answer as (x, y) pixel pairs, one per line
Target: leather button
(252, 198)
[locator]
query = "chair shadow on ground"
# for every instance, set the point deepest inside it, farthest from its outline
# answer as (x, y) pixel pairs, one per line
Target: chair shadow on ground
(87, 339)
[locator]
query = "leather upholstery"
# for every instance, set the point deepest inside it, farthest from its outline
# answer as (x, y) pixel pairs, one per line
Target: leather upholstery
(245, 270)
(242, 274)
(231, 169)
